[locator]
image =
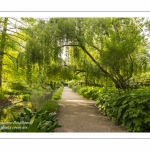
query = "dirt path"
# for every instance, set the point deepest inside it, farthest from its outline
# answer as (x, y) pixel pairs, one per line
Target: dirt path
(77, 114)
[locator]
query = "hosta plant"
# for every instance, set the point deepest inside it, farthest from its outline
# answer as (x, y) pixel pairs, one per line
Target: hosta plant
(33, 121)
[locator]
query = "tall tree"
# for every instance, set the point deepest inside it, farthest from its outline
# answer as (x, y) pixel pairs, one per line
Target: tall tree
(4, 23)
(111, 43)
(110, 46)
(12, 39)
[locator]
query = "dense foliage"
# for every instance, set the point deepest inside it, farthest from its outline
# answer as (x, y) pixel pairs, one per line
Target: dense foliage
(108, 58)
(47, 52)
(32, 119)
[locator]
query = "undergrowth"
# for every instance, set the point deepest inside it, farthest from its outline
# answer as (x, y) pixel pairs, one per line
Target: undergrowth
(42, 119)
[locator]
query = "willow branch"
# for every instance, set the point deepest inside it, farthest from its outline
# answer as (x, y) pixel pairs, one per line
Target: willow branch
(16, 43)
(17, 37)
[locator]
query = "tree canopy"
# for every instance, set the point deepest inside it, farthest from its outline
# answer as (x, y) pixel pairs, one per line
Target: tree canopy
(97, 50)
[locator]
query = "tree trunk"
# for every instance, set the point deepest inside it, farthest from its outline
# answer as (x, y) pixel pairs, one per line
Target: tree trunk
(2, 48)
(119, 83)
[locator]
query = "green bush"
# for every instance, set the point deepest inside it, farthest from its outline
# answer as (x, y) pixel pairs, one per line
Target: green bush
(32, 121)
(13, 92)
(27, 91)
(75, 86)
(50, 105)
(2, 96)
(8, 92)
(89, 92)
(26, 97)
(42, 120)
(57, 93)
(17, 92)
(18, 86)
(130, 109)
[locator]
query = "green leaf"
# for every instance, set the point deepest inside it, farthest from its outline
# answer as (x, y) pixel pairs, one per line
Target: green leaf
(32, 120)
(28, 111)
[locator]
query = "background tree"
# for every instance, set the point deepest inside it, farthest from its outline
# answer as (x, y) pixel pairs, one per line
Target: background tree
(12, 42)
(97, 49)
(111, 43)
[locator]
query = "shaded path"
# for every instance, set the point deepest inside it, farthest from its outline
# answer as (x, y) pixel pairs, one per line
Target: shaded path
(77, 114)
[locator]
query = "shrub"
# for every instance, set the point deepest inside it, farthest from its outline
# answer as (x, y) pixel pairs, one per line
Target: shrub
(9, 92)
(33, 121)
(130, 109)
(42, 120)
(57, 93)
(89, 92)
(50, 105)
(75, 86)
(18, 86)
(17, 92)
(26, 97)
(2, 96)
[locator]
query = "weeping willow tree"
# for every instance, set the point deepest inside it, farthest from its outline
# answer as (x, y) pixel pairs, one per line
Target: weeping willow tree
(44, 55)
(81, 66)
(12, 42)
(96, 47)
(111, 44)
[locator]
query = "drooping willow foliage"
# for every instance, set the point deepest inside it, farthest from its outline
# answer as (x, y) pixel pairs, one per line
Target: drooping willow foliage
(96, 49)
(44, 53)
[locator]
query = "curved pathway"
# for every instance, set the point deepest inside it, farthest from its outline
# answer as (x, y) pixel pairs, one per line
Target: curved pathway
(76, 114)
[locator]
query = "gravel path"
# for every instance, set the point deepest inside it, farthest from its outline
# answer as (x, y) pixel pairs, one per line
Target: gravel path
(76, 114)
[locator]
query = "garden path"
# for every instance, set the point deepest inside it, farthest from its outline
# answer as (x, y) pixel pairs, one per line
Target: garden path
(76, 114)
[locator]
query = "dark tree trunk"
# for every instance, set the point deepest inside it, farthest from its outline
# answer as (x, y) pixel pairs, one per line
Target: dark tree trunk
(120, 83)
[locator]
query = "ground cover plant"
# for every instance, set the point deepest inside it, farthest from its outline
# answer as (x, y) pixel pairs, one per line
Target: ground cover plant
(31, 119)
(130, 109)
